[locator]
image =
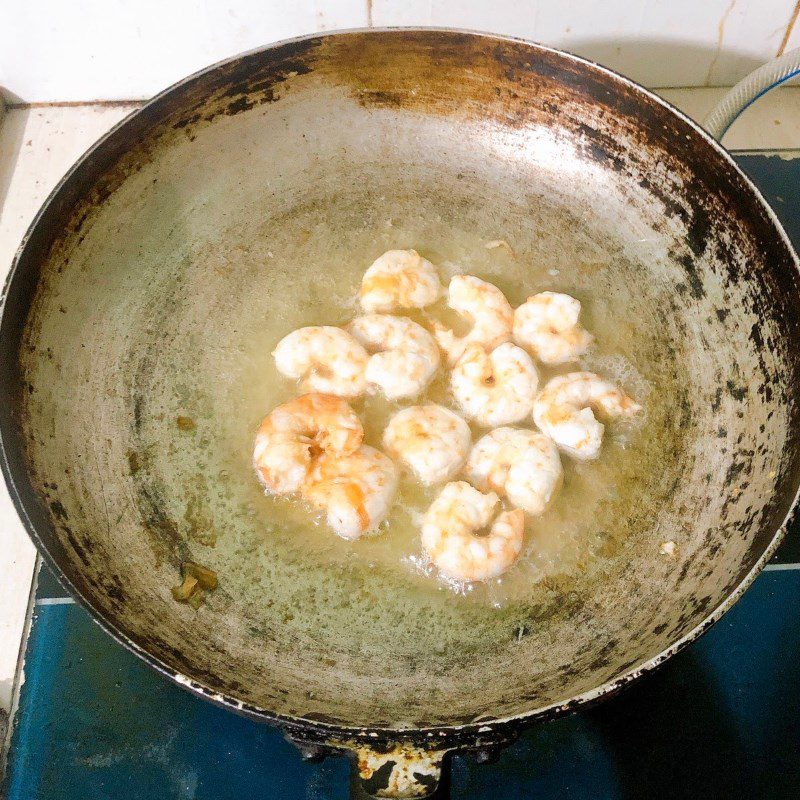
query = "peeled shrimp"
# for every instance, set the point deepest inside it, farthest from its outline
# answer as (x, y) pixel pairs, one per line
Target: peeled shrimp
(407, 356)
(495, 388)
(431, 440)
(564, 410)
(523, 465)
(449, 528)
(485, 306)
(399, 279)
(546, 325)
(355, 490)
(293, 433)
(324, 359)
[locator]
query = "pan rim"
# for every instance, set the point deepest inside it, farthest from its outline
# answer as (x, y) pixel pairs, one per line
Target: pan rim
(443, 735)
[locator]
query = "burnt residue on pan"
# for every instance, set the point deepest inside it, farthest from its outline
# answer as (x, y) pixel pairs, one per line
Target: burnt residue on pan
(476, 129)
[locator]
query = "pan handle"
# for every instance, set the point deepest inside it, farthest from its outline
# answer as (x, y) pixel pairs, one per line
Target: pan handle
(391, 769)
(750, 89)
(403, 771)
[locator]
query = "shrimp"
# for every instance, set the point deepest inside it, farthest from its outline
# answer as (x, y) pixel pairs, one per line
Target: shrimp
(482, 304)
(324, 359)
(495, 388)
(449, 528)
(564, 410)
(294, 433)
(431, 440)
(523, 465)
(354, 490)
(546, 325)
(407, 356)
(399, 279)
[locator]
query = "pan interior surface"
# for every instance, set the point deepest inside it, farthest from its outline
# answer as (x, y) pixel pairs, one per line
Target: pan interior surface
(250, 203)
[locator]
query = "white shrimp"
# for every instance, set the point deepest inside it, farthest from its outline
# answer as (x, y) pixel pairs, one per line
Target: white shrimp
(485, 306)
(399, 279)
(495, 388)
(546, 325)
(449, 531)
(294, 433)
(355, 491)
(564, 410)
(521, 464)
(407, 356)
(431, 440)
(325, 359)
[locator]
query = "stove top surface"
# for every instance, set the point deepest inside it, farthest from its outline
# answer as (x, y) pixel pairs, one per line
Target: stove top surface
(719, 720)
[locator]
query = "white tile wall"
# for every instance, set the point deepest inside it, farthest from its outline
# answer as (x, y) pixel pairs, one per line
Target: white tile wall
(678, 43)
(51, 50)
(54, 51)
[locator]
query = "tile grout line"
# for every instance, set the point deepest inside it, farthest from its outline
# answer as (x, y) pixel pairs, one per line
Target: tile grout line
(35, 105)
(59, 601)
(22, 105)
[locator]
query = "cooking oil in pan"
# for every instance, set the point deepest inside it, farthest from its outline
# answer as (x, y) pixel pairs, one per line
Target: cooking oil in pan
(169, 399)
(584, 521)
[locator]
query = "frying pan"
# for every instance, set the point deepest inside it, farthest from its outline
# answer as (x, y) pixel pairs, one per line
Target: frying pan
(233, 198)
